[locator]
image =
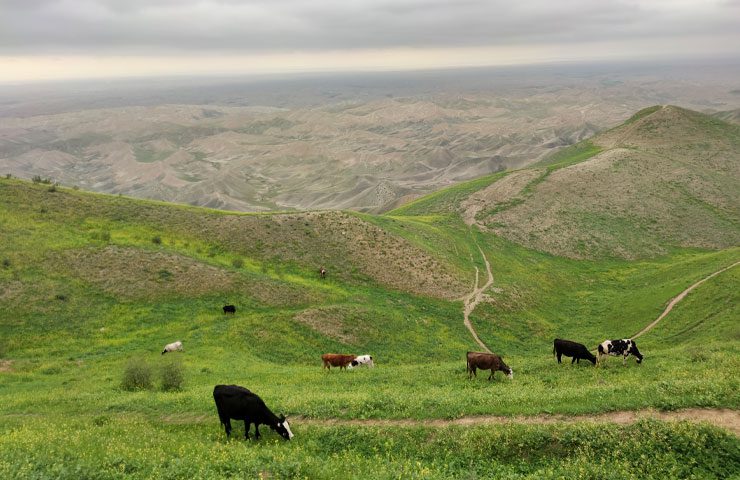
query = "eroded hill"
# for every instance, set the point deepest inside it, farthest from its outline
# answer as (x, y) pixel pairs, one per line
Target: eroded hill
(668, 177)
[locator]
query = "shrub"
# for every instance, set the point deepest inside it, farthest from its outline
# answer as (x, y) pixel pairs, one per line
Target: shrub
(61, 297)
(6, 263)
(8, 175)
(53, 187)
(237, 263)
(40, 179)
(137, 375)
(173, 376)
(157, 240)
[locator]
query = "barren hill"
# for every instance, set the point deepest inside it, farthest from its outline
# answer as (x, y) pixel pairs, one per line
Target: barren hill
(666, 177)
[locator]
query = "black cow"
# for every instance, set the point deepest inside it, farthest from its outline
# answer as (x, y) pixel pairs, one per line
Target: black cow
(233, 401)
(623, 347)
(572, 349)
(229, 309)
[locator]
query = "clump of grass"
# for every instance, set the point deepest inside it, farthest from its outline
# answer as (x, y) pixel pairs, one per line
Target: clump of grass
(40, 179)
(6, 263)
(137, 375)
(52, 187)
(237, 263)
(172, 376)
(157, 240)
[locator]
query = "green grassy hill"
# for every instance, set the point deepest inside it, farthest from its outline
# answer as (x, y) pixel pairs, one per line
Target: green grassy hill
(88, 282)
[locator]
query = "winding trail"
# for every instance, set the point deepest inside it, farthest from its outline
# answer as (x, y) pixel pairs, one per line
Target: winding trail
(678, 298)
(475, 297)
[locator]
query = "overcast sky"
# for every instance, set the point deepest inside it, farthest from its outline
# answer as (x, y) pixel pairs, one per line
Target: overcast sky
(41, 39)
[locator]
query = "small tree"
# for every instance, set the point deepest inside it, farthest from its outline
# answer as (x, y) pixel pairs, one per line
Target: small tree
(173, 376)
(137, 375)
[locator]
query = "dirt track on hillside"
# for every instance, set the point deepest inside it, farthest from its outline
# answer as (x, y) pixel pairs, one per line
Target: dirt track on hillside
(723, 418)
(472, 300)
(719, 417)
(678, 298)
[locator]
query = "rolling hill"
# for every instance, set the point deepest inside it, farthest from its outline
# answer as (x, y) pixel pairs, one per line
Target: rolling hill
(90, 282)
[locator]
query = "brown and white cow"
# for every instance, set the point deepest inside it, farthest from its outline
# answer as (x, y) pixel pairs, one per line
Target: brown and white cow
(487, 361)
(337, 360)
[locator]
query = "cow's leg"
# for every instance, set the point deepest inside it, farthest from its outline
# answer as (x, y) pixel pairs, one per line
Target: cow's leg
(227, 426)
(624, 360)
(246, 428)
(559, 357)
(491, 375)
(257, 431)
(573, 361)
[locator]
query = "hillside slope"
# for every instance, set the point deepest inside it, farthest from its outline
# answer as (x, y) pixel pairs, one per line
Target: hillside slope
(668, 177)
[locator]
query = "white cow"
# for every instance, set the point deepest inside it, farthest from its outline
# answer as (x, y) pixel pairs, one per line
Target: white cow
(171, 347)
(366, 360)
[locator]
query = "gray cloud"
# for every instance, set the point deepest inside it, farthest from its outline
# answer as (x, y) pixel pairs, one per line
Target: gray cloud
(171, 26)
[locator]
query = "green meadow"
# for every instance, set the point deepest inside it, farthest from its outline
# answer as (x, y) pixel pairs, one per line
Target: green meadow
(89, 282)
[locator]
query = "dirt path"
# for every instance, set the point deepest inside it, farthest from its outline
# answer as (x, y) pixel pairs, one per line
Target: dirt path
(719, 417)
(472, 300)
(678, 298)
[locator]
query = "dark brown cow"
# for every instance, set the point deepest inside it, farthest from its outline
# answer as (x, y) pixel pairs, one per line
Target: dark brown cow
(487, 361)
(337, 360)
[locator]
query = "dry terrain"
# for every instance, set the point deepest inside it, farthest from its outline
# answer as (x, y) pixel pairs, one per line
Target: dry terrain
(357, 148)
(667, 177)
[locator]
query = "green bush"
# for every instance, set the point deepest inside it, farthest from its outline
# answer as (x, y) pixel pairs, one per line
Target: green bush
(237, 263)
(173, 376)
(137, 375)
(6, 263)
(157, 240)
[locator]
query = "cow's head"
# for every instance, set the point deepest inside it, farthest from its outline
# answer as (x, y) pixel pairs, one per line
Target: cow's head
(283, 428)
(510, 373)
(634, 351)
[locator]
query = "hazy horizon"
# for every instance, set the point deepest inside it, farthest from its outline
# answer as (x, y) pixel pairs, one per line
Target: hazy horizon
(76, 39)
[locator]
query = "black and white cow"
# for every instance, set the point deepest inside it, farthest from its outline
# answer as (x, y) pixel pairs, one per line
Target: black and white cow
(366, 360)
(239, 403)
(572, 349)
(623, 347)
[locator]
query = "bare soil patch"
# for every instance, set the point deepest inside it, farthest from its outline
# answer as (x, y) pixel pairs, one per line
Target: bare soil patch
(6, 366)
(332, 322)
(135, 273)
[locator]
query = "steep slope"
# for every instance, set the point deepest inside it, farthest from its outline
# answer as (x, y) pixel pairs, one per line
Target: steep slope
(668, 177)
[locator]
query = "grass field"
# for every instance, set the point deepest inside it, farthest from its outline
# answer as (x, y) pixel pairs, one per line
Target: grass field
(88, 282)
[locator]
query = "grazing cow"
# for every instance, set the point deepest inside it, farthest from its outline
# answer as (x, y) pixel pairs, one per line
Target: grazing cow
(233, 401)
(572, 349)
(322, 272)
(487, 361)
(366, 360)
(229, 309)
(171, 347)
(623, 347)
(336, 360)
